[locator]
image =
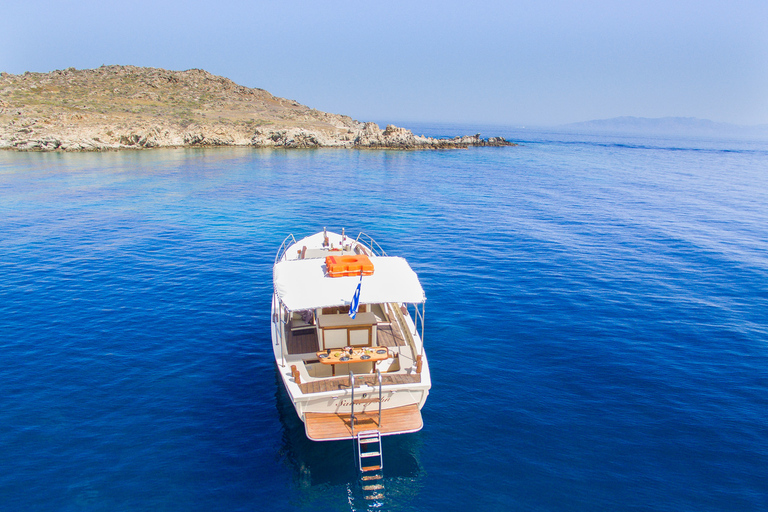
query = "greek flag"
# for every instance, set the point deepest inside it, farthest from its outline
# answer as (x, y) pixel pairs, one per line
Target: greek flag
(355, 299)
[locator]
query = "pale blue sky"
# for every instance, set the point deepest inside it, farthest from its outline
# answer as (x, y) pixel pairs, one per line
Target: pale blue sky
(533, 62)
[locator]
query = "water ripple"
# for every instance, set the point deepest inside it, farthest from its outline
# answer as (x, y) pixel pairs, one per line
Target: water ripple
(596, 323)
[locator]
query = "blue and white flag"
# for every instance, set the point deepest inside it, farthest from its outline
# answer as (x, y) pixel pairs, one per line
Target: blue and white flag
(355, 299)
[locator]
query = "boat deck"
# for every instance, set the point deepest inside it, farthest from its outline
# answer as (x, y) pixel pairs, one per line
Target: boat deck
(389, 335)
(342, 383)
(304, 341)
(332, 426)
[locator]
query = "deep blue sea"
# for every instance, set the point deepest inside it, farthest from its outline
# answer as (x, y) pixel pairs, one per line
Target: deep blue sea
(596, 325)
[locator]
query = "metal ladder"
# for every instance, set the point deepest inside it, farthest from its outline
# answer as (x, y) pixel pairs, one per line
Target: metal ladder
(352, 387)
(370, 463)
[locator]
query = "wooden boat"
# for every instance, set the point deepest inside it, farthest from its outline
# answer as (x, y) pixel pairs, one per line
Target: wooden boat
(359, 375)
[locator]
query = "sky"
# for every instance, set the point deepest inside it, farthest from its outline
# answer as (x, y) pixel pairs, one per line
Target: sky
(511, 62)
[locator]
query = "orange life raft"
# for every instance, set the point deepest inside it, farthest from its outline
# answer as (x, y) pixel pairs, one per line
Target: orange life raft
(341, 266)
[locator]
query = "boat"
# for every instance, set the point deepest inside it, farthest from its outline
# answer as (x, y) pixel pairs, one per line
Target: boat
(347, 336)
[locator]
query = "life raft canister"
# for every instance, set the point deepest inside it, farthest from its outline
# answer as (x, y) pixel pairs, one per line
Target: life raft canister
(351, 265)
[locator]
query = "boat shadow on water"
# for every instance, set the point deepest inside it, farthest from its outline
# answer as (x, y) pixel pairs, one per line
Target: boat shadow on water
(317, 467)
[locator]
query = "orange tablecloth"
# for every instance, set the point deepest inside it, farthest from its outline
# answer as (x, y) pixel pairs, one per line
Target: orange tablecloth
(356, 355)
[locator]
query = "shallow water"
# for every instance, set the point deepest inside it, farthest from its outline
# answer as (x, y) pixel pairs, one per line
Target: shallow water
(597, 326)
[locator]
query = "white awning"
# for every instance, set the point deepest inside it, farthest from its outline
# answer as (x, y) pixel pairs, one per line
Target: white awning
(303, 284)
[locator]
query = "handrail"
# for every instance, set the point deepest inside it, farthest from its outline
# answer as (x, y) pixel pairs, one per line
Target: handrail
(278, 315)
(377, 250)
(277, 309)
(378, 374)
(403, 324)
(352, 413)
(284, 247)
(419, 315)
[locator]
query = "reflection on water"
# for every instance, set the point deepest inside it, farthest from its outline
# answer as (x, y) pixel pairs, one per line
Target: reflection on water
(326, 472)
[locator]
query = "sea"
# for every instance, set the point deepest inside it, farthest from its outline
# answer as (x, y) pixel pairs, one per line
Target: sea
(596, 325)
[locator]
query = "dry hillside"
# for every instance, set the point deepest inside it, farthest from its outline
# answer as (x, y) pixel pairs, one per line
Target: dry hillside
(115, 107)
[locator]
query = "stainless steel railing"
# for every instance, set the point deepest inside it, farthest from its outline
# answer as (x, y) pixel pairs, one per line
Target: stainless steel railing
(368, 242)
(289, 240)
(378, 376)
(352, 403)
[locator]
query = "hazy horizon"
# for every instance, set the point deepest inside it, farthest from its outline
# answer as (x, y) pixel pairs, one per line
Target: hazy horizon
(513, 63)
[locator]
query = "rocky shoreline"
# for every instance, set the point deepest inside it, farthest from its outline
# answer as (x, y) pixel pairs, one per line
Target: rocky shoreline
(128, 107)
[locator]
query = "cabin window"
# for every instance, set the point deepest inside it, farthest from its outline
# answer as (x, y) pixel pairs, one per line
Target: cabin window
(336, 330)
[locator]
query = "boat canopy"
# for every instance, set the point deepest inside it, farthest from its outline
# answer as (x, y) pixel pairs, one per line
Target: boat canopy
(305, 284)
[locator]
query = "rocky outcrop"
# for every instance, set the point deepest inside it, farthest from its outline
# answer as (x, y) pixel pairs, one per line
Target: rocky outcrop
(117, 107)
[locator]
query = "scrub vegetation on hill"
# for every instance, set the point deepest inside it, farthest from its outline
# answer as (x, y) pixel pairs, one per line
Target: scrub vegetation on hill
(115, 107)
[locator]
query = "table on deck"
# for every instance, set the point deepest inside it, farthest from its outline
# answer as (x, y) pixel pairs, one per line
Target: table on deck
(352, 355)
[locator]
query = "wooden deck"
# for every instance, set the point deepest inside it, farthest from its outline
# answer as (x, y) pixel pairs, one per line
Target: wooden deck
(342, 383)
(302, 341)
(389, 335)
(331, 426)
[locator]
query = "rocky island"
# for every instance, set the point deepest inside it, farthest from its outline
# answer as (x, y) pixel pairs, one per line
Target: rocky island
(120, 107)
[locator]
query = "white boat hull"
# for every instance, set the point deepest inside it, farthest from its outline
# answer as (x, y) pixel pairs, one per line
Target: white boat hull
(388, 398)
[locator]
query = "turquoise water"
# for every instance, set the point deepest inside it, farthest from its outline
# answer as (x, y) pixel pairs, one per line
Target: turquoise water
(597, 325)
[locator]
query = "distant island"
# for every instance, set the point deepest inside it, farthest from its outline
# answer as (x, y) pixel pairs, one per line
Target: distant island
(120, 107)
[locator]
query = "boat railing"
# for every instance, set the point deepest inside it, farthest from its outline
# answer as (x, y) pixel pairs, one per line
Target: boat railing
(352, 402)
(378, 377)
(368, 242)
(418, 321)
(380, 380)
(289, 241)
(400, 317)
(280, 319)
